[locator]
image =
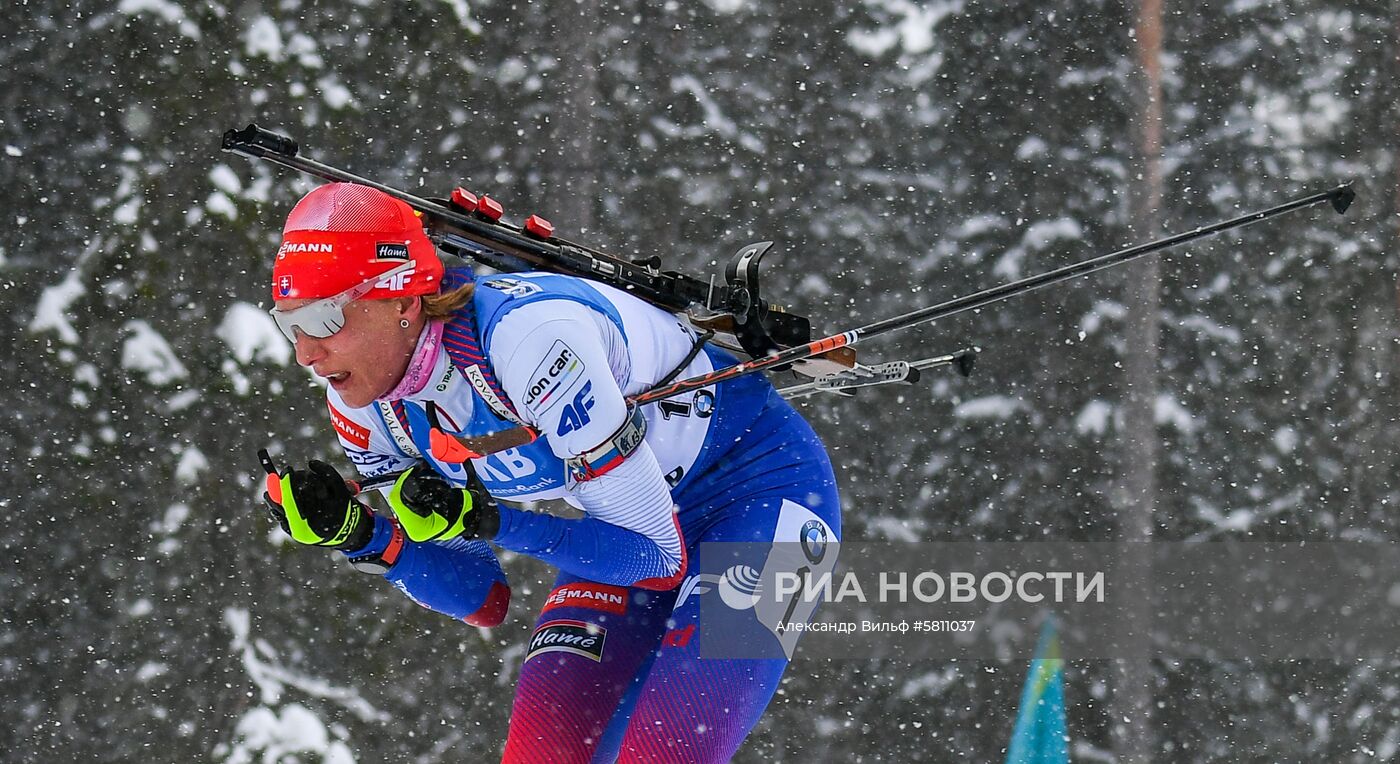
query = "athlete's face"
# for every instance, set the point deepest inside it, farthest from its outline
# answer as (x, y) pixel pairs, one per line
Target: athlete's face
(367, 357)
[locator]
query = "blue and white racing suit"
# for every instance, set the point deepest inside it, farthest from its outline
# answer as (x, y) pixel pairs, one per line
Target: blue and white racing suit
(613, 672)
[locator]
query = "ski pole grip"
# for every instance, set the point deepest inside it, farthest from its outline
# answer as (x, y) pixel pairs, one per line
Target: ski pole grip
(266, 460)
(256, 141)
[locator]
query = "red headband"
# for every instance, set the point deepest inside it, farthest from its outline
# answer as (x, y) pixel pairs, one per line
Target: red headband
(343, 234)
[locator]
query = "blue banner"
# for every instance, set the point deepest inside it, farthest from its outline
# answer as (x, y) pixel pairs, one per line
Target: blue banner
(1041, 735)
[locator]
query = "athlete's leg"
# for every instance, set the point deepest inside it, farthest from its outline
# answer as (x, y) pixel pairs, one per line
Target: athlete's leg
(696, 709)
(591, 645)
(656, 700)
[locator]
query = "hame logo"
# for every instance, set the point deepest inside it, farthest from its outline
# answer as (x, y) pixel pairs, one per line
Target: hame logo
(390, 250)
(577, 637)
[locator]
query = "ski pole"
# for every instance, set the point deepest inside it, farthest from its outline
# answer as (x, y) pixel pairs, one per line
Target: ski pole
(1340, 198)
(265, 459)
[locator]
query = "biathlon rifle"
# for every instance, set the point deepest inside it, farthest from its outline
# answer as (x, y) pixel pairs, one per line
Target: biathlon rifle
(473, 227)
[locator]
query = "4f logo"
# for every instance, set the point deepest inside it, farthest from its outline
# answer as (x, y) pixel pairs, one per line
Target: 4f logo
(575, 414)
(396, 282)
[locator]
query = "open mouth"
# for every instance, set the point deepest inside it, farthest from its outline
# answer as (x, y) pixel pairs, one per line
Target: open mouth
(337, 379)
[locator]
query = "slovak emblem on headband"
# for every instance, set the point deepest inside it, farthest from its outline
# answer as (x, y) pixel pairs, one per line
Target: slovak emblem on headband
(284, 286)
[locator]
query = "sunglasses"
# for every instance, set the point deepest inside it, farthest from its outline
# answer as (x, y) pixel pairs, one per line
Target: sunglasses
(326, 316)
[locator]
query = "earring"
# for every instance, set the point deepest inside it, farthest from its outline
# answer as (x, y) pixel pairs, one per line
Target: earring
(403, 322)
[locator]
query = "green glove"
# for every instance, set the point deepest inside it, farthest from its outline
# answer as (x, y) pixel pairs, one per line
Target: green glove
(431, 509)
(315, 507)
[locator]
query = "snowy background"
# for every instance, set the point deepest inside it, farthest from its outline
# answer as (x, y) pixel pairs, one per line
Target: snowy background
(900, 152)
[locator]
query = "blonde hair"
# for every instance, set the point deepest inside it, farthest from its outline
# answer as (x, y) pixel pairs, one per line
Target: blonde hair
(444, 304)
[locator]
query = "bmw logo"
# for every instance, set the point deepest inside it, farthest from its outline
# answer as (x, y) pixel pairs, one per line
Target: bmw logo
(704, 404)
(813, 538)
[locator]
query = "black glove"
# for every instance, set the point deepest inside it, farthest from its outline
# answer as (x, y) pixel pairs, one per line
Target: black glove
(315, 506)
(431, 509)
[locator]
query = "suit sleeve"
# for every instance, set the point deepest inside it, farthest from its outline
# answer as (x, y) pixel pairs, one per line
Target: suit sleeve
(461, 579)
(552, 358)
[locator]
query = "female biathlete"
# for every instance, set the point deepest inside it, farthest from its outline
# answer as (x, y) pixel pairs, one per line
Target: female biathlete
(613, 671)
